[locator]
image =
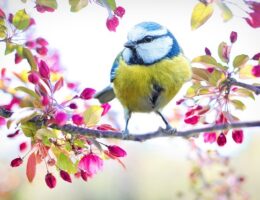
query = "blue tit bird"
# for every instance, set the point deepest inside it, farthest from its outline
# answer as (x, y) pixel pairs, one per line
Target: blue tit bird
(148, 73)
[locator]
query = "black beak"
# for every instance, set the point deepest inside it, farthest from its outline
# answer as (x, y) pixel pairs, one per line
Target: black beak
(130, 45)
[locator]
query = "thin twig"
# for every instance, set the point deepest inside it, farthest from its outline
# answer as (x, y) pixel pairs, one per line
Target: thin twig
(140, 137)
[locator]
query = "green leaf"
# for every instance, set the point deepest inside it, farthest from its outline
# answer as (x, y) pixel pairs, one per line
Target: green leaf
(112, 4)
(21, 20)
(226, 12)
(29, 129)
(44, 132)
(28, 91)
(192, 90)
(68, 146)
(223, 52)
(10, 47)
(46, 141)
(65, 163)
(2, 21)
(200, 74)
(246, 72)
(77, 5)
(48, 3)
(30, 59)
(245, 93)
(216, 77)
(238, 104)
(3, 31)
(240, 60)
(206, 60)
(92, 115)
(79, 143)
(19, 50)
(200, 14)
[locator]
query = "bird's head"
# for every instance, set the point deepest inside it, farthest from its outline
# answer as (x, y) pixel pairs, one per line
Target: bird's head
(149, 42)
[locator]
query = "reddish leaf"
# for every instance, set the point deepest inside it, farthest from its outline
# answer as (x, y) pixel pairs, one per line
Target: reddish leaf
(58, 84)
(31, 167)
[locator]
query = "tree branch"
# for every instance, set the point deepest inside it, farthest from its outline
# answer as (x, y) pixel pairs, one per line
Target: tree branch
(140, 137)
(253, 88)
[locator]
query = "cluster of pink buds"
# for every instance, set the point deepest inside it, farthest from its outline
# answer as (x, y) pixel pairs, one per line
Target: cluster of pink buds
(112, 20)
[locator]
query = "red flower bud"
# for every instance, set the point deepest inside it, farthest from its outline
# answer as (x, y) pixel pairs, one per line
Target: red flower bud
(60, 118)
(192, 120)
(73, 106)
(17, 58)
(2, 121)
(179, 102)
(12, 135)
(256, 56)
(44, 70)
(210, 137)
(233, 37)
(116, 151)
(33, 78)
(222, 140)
(87, 93)
(50, 180)
(30, 44)
(84, 175)
(112, 23)
(2, 14)
(32, 22)
(119, 11)
(207, 51)
(51, 162)
(65, 176)
(45, 100)
(16, 162)
(238, 136)
(210, 69)
(77, 119)
(42, 50)
(256, 71)
(41, 41)
(23, 146)
(106, 107)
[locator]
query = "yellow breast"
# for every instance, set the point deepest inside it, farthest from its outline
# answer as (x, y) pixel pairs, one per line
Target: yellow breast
(133, 84)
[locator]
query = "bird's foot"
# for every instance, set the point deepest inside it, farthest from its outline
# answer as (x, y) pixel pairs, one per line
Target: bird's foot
(168, 130)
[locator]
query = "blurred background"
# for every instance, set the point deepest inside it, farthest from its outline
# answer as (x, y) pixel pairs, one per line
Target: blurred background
(156, 169)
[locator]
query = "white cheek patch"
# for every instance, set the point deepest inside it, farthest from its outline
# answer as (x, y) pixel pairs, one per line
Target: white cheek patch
(127, 54)
(155, 50)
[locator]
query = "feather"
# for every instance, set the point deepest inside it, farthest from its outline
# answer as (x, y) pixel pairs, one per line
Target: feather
(105, 95)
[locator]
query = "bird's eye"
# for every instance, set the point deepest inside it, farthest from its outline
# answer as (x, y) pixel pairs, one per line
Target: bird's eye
(147, 39)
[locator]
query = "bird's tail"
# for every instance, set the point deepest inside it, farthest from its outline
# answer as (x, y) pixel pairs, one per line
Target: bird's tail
(105, 95)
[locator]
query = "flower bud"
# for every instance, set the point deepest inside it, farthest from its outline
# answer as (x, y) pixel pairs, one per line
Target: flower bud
(42, 50)
(119, 11)
(33, 78)
(222, 140)
(17, 58)
(192, 120)
(45, 100)
(112, 23)
(44, 70)
(207, 51)
(256, 70)
(50, 180)
(65, 176)
(87, 93)
(73, 106)
(116, 151)
(23, 146)
(16, 162)
(41, 41)
(106, 107)
(60, 118)
(77, 119)
(238, 136)
(233, 37)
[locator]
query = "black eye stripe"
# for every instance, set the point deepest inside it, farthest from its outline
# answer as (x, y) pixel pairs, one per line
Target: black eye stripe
(149, 38)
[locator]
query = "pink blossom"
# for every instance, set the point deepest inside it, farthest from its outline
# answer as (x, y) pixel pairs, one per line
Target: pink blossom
(106, 107)
(119, 11)
(116, 151)
(50, 180)
(87, 93)
(112, 23)
(60, 118)
(43, 9)
(256, 70)
(77, 119)
(33, 78)
(254, 19)
(210, 137)
(90, 163)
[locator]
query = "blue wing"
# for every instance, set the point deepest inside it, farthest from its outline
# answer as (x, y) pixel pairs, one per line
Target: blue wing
(115, 67)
